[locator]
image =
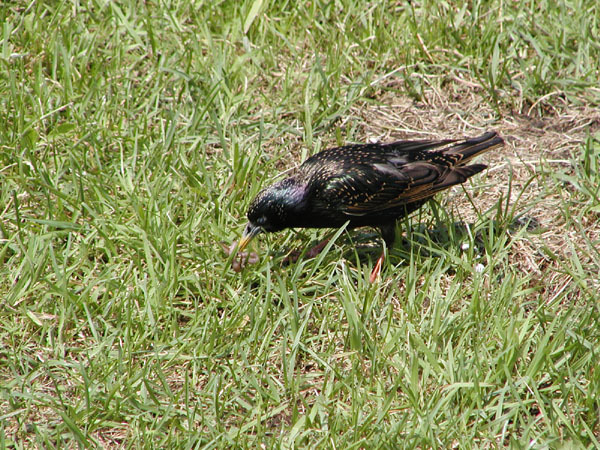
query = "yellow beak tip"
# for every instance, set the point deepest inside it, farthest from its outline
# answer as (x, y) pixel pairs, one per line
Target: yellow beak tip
(244, 241)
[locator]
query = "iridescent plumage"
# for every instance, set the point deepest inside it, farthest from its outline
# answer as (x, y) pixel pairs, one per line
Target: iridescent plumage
(365, 185)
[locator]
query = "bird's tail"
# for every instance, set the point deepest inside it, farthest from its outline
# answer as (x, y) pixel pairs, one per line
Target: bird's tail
(462, 153)
(470, 148)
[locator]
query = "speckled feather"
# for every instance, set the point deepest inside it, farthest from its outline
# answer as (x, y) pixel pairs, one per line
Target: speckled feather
(367, 185)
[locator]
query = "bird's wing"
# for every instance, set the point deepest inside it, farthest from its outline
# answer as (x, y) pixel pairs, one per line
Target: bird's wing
(373, 188)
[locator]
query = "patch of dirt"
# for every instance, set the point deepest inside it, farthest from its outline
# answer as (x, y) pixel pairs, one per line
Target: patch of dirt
(540, 138)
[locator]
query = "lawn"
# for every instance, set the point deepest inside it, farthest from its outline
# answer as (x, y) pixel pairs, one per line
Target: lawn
(133, 136)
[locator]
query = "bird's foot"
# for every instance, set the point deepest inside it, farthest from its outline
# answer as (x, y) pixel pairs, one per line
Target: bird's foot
(377, 269)
(244, 257)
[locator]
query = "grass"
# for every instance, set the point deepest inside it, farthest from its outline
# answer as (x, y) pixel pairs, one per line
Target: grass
(134, 135)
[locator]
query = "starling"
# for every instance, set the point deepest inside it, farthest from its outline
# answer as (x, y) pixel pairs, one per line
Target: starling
(365, 185)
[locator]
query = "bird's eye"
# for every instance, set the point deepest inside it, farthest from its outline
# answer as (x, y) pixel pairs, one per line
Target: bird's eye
(261, 220)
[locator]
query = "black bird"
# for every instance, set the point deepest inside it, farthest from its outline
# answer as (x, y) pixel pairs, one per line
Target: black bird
(365, 185)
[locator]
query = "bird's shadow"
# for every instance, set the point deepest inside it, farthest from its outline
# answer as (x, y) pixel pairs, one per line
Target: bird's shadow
(423, 240)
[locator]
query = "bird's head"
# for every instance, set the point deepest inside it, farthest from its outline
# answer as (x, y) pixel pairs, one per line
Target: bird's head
(274, 209)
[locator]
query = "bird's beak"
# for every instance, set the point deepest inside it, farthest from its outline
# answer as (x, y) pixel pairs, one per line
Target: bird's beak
(249, 233)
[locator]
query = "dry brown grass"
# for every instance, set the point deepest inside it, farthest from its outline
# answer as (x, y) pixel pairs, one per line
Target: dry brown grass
(539, 138)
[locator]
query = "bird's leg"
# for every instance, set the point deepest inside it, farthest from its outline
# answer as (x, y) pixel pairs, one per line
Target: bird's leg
(388, 233)
(311, 253)
(317, 249)
(377, 269)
